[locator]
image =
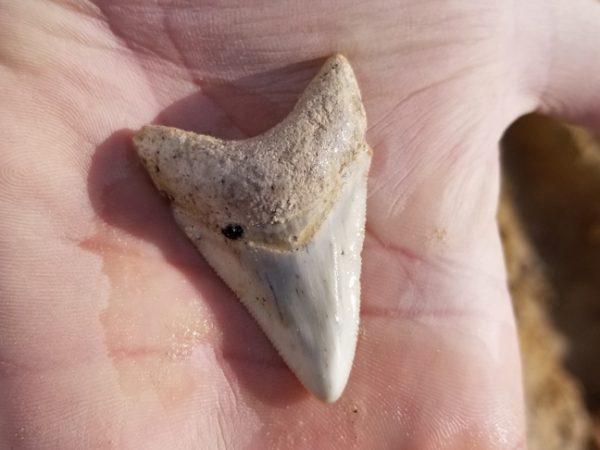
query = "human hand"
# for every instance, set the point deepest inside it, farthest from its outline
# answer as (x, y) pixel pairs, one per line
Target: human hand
(114, 333)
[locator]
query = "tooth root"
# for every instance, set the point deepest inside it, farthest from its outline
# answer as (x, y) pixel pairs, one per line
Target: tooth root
(280, 218)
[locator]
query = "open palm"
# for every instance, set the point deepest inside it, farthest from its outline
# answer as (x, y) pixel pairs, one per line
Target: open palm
(114, 332)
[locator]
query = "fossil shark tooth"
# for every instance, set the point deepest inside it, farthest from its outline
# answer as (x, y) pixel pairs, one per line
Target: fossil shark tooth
(280, 217)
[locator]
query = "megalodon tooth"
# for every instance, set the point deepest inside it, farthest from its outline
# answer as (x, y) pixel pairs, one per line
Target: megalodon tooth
(280, 217)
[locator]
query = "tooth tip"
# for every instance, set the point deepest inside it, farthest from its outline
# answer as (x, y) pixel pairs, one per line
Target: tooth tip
(326, 377)
(329, 395)
(327, 386)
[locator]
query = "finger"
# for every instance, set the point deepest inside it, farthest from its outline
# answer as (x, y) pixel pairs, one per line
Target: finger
(567, 47)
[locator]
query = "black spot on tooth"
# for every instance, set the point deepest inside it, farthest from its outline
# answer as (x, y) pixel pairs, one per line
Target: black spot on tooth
(232, 231)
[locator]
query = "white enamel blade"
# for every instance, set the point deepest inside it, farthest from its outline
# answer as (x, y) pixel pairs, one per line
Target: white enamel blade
(280, 217)
(306, 301)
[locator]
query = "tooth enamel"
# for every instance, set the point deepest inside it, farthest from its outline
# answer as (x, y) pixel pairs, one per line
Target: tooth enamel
(280, 218)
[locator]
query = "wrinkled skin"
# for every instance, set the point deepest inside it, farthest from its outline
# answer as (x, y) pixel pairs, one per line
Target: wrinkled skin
(114, 332)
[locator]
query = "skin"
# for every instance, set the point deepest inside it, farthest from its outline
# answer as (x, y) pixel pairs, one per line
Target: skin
(114, 333)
